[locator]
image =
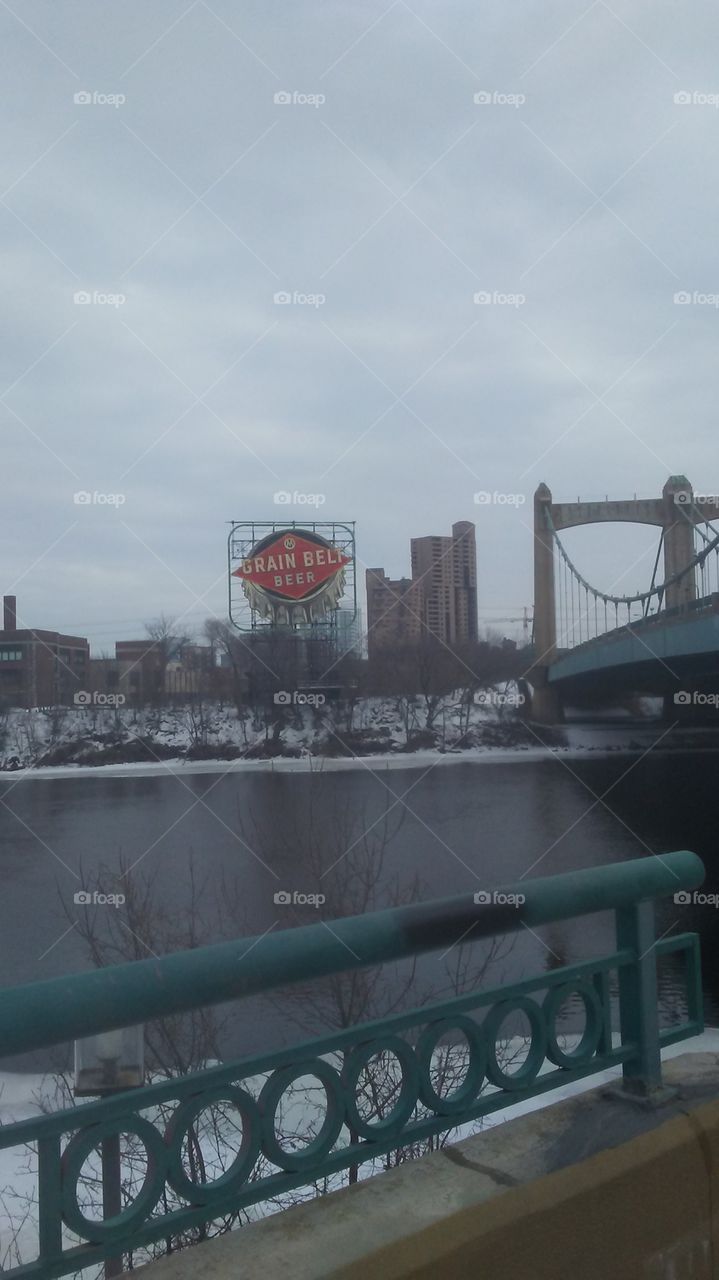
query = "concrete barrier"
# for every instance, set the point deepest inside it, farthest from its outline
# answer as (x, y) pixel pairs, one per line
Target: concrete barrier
(594, 1187)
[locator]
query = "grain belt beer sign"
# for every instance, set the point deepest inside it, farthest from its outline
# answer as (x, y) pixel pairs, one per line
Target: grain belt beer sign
(293, 575)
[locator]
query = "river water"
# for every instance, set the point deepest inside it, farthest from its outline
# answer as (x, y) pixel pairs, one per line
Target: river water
(228, 842)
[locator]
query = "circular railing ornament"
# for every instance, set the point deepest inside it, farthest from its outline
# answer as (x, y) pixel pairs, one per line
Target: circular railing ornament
(530, 1068)
(594, 1021)
(463, 1096)
(323, 1142)
(355, 1063)
(185, 1116)
(80, 1146)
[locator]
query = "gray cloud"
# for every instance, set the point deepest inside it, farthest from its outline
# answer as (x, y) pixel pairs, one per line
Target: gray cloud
(398, 199)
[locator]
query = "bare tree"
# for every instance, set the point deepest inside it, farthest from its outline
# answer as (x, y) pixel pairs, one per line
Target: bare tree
(344, 852)
(226, 642)
(168, 640)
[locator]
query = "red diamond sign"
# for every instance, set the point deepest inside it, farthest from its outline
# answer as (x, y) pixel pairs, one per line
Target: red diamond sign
(293, 565)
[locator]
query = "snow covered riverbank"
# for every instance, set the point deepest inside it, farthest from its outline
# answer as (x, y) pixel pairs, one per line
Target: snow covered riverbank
(387, 763)
(375, 733)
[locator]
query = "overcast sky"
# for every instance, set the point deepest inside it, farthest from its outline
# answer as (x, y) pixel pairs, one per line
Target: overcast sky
(577, 186)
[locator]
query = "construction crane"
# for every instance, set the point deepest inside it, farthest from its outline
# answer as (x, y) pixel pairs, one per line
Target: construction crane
(525, 620)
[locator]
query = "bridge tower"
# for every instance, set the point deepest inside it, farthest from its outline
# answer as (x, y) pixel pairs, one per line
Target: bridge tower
(546, 707)
(678, 540)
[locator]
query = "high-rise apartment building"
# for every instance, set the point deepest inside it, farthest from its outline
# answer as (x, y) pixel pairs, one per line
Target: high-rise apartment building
(440, 598)
(446, 570)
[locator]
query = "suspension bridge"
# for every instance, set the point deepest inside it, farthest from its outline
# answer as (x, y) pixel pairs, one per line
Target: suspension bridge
(593, 647)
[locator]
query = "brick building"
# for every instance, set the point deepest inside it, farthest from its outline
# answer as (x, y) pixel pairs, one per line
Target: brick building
(39, 668)
(394, 612)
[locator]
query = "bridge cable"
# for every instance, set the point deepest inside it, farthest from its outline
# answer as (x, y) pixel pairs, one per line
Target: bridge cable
(639, 596)
(654, 574)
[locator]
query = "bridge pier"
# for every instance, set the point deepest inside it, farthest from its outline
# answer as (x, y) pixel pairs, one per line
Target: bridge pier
(546, 704)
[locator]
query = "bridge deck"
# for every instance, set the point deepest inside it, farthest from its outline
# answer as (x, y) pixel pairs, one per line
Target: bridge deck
(656, 652)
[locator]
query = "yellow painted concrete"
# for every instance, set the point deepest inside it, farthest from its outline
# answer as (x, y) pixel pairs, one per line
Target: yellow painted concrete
(644, 1209)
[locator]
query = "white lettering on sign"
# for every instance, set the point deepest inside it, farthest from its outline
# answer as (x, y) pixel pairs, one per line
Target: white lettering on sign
(270, 564)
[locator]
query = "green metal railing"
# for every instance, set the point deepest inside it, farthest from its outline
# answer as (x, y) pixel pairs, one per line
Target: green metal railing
(159, 1117)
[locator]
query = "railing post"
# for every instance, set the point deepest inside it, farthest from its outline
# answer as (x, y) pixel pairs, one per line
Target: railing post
(49, 1188)
(111, 1192)
(638, 999)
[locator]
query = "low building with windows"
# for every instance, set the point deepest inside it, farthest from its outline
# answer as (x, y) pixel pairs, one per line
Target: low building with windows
(39, 668)
(149, 670)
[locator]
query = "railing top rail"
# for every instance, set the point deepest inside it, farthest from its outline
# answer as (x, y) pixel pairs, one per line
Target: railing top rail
(61, 1009)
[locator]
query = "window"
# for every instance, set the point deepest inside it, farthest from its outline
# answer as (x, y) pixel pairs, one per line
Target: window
(10, 655)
